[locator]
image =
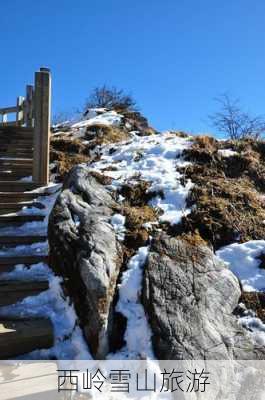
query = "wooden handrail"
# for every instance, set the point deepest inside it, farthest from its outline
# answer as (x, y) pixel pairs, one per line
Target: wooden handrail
(34, 111)
(42, 119)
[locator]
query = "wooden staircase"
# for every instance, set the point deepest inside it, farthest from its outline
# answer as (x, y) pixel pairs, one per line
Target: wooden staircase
(23, 154)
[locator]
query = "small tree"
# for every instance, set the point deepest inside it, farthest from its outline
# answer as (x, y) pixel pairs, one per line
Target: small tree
(112, 98)
(236, 123)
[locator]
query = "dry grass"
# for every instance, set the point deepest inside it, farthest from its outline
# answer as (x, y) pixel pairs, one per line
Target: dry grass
(65, 162)
(228, 196)
(255, 301)
(67, 145)
(136, 216)
(102, 134)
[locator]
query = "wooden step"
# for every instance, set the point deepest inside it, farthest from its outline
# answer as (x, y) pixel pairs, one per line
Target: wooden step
(16, 139)
(9, 205)
(13, 291)
(7, 208)
(18, 186)
(15, 167)
(19, 219)
(6, 197)
(27, 155)
(13, 176)
(21, 336)
(5, 160)
(7, 264)
(19, 240)
(14, 148)
(17, 130)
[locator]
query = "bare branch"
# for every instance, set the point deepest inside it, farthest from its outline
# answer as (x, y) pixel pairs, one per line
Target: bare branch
(235, 123)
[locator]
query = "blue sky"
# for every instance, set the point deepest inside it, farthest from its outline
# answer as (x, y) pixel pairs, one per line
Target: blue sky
(174, 56)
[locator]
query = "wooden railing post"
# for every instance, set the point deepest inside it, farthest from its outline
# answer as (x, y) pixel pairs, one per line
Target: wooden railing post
(42, 116)
(28, 107)
(19, 112)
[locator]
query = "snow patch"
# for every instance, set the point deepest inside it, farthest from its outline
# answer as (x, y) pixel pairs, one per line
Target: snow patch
(154, 159)
(241, 258)
(227, 152)
(138, 333)
(118, 223)
(109, 118)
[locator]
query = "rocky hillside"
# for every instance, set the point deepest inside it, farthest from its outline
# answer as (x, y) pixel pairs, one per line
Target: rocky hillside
(159, 239)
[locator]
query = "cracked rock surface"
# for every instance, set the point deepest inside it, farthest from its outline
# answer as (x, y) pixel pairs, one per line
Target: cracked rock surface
(85, 252)
(189, 296)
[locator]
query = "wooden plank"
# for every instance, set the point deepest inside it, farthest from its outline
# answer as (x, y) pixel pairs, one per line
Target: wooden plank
(20, 336)
(8, 123)
(28, 106)
(11, 196)
(8, 110)
(18, 186)
(42, 119)
(19, 113)
(14, 291)
(4, 219)
(18, 129)
(16, 160)
(36, 204)
(24, 260)
(27, 155)
(18, 240)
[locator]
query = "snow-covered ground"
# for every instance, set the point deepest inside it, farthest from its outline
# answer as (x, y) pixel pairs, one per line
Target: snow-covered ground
(108, 118)
(242, 259)
(154, 159)
(227, 152)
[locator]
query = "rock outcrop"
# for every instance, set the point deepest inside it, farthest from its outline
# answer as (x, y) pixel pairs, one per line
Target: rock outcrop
(84, 250)
(189, 296)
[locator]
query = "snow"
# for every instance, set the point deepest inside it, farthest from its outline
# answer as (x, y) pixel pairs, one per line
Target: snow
(108, 118)
(242, 260)
(138, 334)
(118, 222)
(227, 152)
(253, 324)
(154, 159)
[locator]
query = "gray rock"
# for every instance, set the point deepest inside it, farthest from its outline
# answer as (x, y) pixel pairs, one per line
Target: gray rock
(84, 250)
(189, 296)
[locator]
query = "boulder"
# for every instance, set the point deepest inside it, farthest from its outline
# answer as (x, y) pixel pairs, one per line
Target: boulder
(189, 296)
(85, 252)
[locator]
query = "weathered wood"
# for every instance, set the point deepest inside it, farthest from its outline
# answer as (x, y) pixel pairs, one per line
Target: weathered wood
(24, 260)
(13, 291)
(4, 219)
(11, 160)
(42, 106)
(21, 336)
(18, 186)
(8, 110)
(16, 206)
(18, 196)
(28, 107)
(17, 240)
(19, 111)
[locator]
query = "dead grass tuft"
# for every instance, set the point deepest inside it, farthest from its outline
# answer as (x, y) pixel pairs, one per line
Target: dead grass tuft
(254, 301)
(228, 196)
(102, 134)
